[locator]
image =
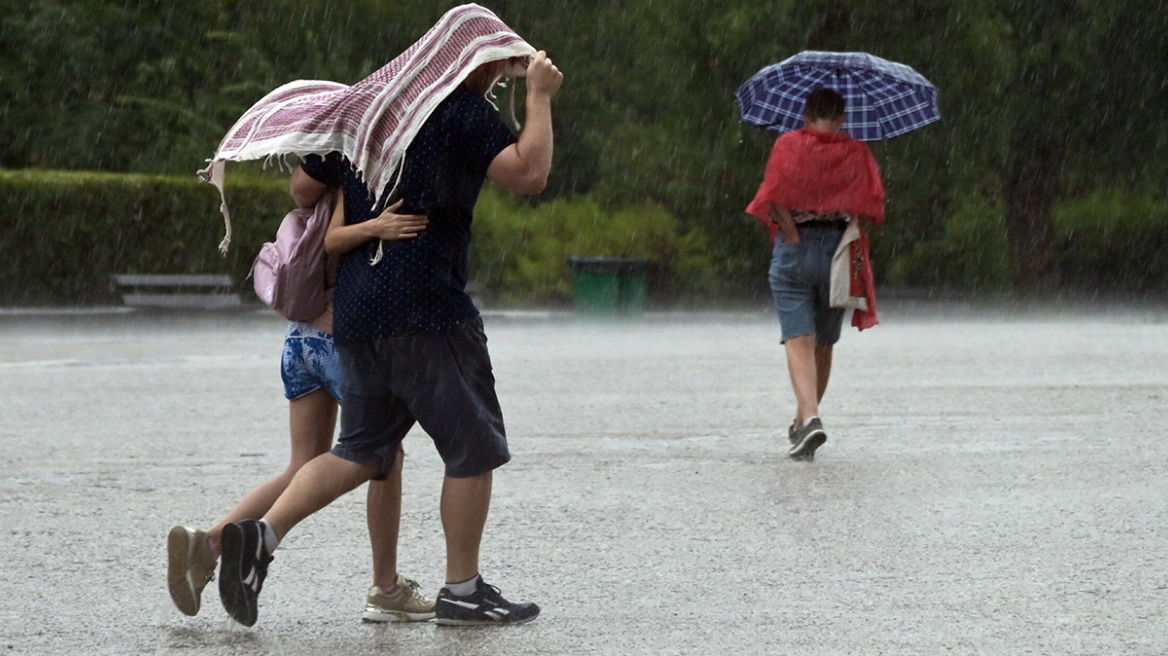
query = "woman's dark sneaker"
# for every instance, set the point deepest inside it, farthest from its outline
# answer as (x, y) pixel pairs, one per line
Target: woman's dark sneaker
(245, 565)
(807, 440)
(484, 606)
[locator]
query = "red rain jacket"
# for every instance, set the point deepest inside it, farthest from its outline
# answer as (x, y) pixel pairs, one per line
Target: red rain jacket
(826, 172)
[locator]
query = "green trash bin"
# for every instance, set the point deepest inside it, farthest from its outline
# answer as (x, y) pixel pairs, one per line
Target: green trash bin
(609, 285)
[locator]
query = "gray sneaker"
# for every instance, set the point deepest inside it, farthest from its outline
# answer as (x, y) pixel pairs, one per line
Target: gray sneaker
(405, 604)
(190, 566)
(806, 440)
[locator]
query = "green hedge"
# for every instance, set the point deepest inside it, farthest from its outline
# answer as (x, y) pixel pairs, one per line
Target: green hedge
(67, 233)
(520, 251)
(71, 231)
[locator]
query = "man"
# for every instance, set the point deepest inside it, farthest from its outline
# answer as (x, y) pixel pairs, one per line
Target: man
(817, 180)
(411, 342)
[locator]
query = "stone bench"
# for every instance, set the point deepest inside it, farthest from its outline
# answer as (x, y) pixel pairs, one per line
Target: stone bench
(178, 291)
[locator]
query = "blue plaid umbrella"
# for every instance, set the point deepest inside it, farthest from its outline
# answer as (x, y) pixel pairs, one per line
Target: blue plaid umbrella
(884, 99)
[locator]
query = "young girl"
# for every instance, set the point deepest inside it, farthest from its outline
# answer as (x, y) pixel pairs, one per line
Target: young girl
(312, 378)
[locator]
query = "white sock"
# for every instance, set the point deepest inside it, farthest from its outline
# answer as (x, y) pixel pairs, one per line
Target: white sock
(463, 588)
(271, 540)
(807, 421)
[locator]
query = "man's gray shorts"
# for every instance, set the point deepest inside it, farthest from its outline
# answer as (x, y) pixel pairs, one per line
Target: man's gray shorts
(442, 381)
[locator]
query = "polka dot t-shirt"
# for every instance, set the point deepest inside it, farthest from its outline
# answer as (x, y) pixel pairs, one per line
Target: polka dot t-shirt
(419, 285)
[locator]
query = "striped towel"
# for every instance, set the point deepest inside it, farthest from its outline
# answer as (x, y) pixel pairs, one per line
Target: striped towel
(374, 121)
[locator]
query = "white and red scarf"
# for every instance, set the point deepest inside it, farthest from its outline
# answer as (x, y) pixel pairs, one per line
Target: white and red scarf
(372, 122)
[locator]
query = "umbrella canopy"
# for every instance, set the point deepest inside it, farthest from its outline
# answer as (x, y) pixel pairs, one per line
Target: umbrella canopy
(884, 99)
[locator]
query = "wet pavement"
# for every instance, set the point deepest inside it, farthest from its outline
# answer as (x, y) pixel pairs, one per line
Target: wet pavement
(992, 483)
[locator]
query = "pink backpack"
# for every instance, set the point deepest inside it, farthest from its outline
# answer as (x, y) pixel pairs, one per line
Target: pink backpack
(289, 273)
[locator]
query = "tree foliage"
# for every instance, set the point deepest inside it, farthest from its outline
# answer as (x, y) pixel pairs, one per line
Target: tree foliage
(1042, 101)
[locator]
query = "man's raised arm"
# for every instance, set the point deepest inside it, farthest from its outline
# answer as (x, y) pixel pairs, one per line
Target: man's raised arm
(524, 166)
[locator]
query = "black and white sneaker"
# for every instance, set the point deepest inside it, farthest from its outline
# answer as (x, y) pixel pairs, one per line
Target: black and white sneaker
(245, 565)
(806, 440)
(793, 437)
(484, 606)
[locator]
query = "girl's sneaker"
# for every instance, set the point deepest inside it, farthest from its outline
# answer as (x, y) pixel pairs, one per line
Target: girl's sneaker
(190, 567)
(405, 604)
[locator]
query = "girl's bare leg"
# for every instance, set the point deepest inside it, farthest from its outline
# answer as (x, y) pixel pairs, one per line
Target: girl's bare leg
(383, 514)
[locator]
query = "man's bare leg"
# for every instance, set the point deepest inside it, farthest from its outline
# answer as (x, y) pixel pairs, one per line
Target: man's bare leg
(312, 420)
(192, 555)
(464, 600)
(822, 369)
(465, 503)
(323, 480)
(807, 433)
(801, 364)
(247, 546)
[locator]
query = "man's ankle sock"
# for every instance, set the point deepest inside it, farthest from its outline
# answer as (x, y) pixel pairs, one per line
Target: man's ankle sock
(463, 588)
(807, 421)
(271, 540)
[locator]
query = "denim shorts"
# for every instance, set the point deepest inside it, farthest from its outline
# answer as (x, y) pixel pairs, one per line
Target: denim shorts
(310, 362)
(442, 381)
(800, 278)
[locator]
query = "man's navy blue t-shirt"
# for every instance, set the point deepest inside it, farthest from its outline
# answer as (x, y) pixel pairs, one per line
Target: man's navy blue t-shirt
(420, 284)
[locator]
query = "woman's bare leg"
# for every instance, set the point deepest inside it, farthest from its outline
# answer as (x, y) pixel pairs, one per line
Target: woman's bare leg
(383, 514)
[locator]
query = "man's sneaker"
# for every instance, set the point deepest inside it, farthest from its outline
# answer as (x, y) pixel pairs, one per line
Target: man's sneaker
(404, 604)
(190, 566)
(807, 440)
(793, 438)
(484, 606)
(245, 565)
